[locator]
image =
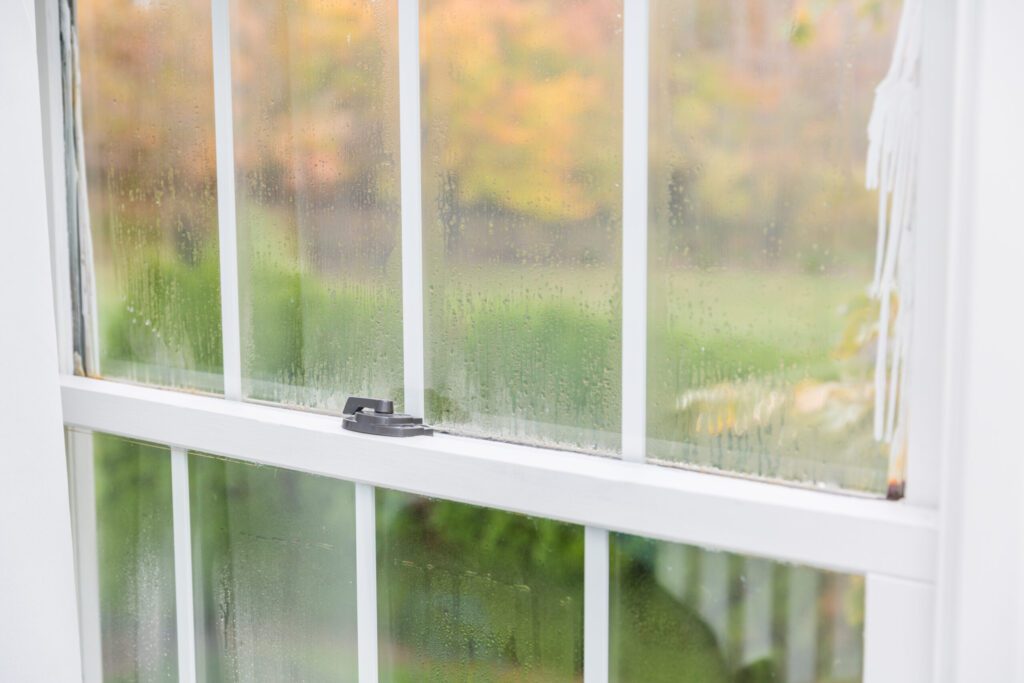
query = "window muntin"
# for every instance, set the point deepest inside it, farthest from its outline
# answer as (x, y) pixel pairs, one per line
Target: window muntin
(522, 165)
(315, 111)
(151, 214)
(762, 334)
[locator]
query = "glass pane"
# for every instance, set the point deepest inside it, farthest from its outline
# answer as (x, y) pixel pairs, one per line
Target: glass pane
(274, 573)
(147, 117)
(684, 614)
(317, 173)
(522, 168)
(135, 550)
(474, 594)
(762, 237)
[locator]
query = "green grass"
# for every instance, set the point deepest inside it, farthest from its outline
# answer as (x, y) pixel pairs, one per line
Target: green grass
(762, 372)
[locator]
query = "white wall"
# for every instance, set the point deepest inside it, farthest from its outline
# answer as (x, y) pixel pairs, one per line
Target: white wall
(980, 583)
(38, 614)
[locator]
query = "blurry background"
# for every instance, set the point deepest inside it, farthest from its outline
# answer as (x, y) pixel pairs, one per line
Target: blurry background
(760, 340)
(761, 334)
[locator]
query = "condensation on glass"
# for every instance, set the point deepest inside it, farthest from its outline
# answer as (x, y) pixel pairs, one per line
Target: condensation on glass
(686, 614)
(273, 556)
(522, 165)
(468, 593)
(315, 105)
(150, 173)
(135, 556)
(761, 331)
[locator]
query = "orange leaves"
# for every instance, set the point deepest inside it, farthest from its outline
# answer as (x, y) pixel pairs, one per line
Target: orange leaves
(525, 95)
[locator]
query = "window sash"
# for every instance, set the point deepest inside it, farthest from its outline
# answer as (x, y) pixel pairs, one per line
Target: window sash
(893, 544)
(930, 314)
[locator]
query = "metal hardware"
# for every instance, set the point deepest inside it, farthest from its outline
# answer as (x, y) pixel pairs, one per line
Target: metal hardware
(382, 419)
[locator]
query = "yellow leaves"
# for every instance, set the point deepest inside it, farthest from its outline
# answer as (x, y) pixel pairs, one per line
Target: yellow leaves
(801, 30)
(718, 423)
(147, 98)
(811, 396)
(317, 155)
(860, 323)
(742, 408)
(731, 408)
(315, 83)
(520, 109)
(860, 326)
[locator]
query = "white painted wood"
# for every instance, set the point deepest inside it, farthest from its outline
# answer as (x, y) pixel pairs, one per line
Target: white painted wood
(79, 444)
(980, 592)
(39, 639)
(366, 583)
(897, 630)
(183, 586)
(927, 369)
(959, 207)
(82, 468)
(846, 533)
(636, 74)
(226, 210)
(412, 203)
(596, 558)
(51, 85)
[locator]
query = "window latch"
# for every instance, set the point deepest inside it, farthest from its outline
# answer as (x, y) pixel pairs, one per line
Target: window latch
(378, 416)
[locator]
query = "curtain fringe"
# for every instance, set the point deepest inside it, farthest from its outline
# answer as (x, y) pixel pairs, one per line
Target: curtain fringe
(893, 145)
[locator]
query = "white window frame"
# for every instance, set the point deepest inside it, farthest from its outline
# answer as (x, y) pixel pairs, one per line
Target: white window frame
(930, 606)
(38, 627)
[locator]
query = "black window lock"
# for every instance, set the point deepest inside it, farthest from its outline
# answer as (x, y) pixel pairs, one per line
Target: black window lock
(381, 419)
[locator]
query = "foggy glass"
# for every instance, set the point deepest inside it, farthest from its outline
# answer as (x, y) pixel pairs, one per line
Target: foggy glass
(135, 553)
(761, 332)
(150, 173)
(273, 556)
(315, 106)
(687, 615)
(475, 594)
(522, 165)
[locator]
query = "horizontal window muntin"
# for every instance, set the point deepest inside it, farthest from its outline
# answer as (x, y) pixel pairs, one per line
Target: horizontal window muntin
(850, 533)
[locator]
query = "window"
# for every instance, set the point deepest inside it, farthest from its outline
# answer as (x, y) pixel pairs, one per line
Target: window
(522, 220)
(763, 236)
(315, 118)
(575, 237)
(151, 195)
(134, 553)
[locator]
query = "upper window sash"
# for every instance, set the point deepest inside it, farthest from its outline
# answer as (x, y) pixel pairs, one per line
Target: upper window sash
(636, 49)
